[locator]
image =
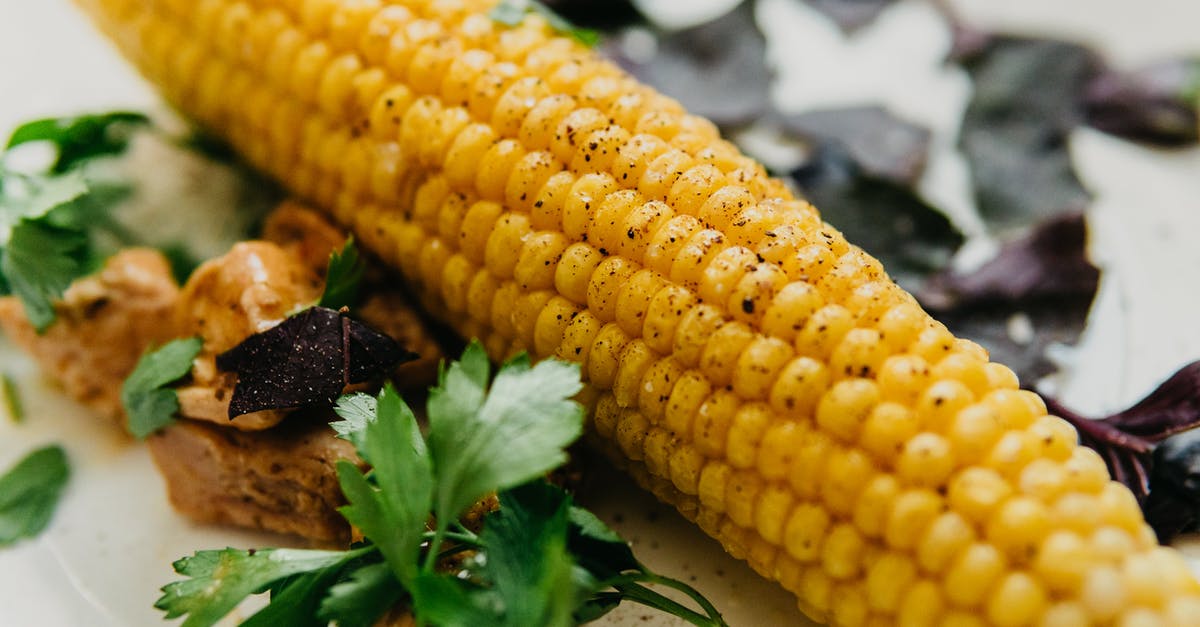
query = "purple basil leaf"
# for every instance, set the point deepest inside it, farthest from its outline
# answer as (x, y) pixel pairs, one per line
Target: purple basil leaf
(718, 70)
(968, 42)
(307, 359)
(600, 14)
(1014, 133)
(1128, 456)
(1173, 407)
(850, 15)
(881, 144)
(1017, 334)
(1153, 448)
(1177, 463)
(1157, 104)
(372, 354)
(1035, 292)
(1170, 512)
(1050, 261)
(887, 220)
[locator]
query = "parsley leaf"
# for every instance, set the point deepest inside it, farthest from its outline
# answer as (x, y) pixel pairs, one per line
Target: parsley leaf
(527, 559)
(518, 432)
(295, 603)
(599, 549)
(219, 580)
(392, 513)
(364, 596)
(29, 493)
(448, 601)
(538, 560)
(150, 404)
(81, 138)
(40, 197)
(356, 410)
(343, 277)
(513, 12)
(39, 263)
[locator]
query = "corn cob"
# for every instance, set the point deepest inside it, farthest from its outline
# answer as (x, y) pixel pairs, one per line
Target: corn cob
(744, 362)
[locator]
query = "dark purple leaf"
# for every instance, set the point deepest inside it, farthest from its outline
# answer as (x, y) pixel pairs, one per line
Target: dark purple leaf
(1169, 511)
(717, 70)
(967, 41)
(1155, 104)
(850, 15)
(600, 14)
(1035, 292)
(1153, 447)
(1014, 133)
(881, 144)
(307, 359)
(1178, 461)
(1050, 261)
(1017, 335)
(887, 220)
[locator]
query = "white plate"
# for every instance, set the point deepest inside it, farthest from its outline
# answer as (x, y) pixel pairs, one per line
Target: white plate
(111, 544)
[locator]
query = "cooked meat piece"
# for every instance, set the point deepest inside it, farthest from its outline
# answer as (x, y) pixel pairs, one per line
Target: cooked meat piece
(305, 233)
(251, 288)
(392, 313)
(104, 323)
(282, 480)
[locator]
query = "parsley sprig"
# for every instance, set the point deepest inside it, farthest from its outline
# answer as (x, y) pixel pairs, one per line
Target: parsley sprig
(147, 396)
(29, 493)
(537, 560)
(47, 217)
(343, 277)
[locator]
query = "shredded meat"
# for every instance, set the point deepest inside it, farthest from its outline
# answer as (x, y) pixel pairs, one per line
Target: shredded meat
(250, 289)
(257, 471)
(104, 323)
(281, 480)
(305, 233)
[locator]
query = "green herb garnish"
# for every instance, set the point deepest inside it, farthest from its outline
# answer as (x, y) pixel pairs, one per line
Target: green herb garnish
(29, 493)
(13, 406)
(46, 218)
(538, 560)
(81, 138)
(343, 276)
(513, 12)
(148, 402)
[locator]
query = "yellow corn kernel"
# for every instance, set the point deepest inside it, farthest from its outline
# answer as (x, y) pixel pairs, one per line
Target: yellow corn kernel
(805, 531)
(846, 406)
(926, 461)
(746, 433)
(947, 536)
(875, 503)
(972, 574)
(912, 512)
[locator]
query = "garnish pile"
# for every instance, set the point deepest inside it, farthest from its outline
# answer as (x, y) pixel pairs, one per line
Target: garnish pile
(538, 559)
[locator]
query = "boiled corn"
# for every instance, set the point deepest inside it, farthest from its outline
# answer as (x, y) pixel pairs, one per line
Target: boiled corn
(744, 361)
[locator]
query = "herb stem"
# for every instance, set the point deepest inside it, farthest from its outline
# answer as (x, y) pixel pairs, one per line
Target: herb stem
(457, 536)
(638, 593)
(435, 543)
(675, 584)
